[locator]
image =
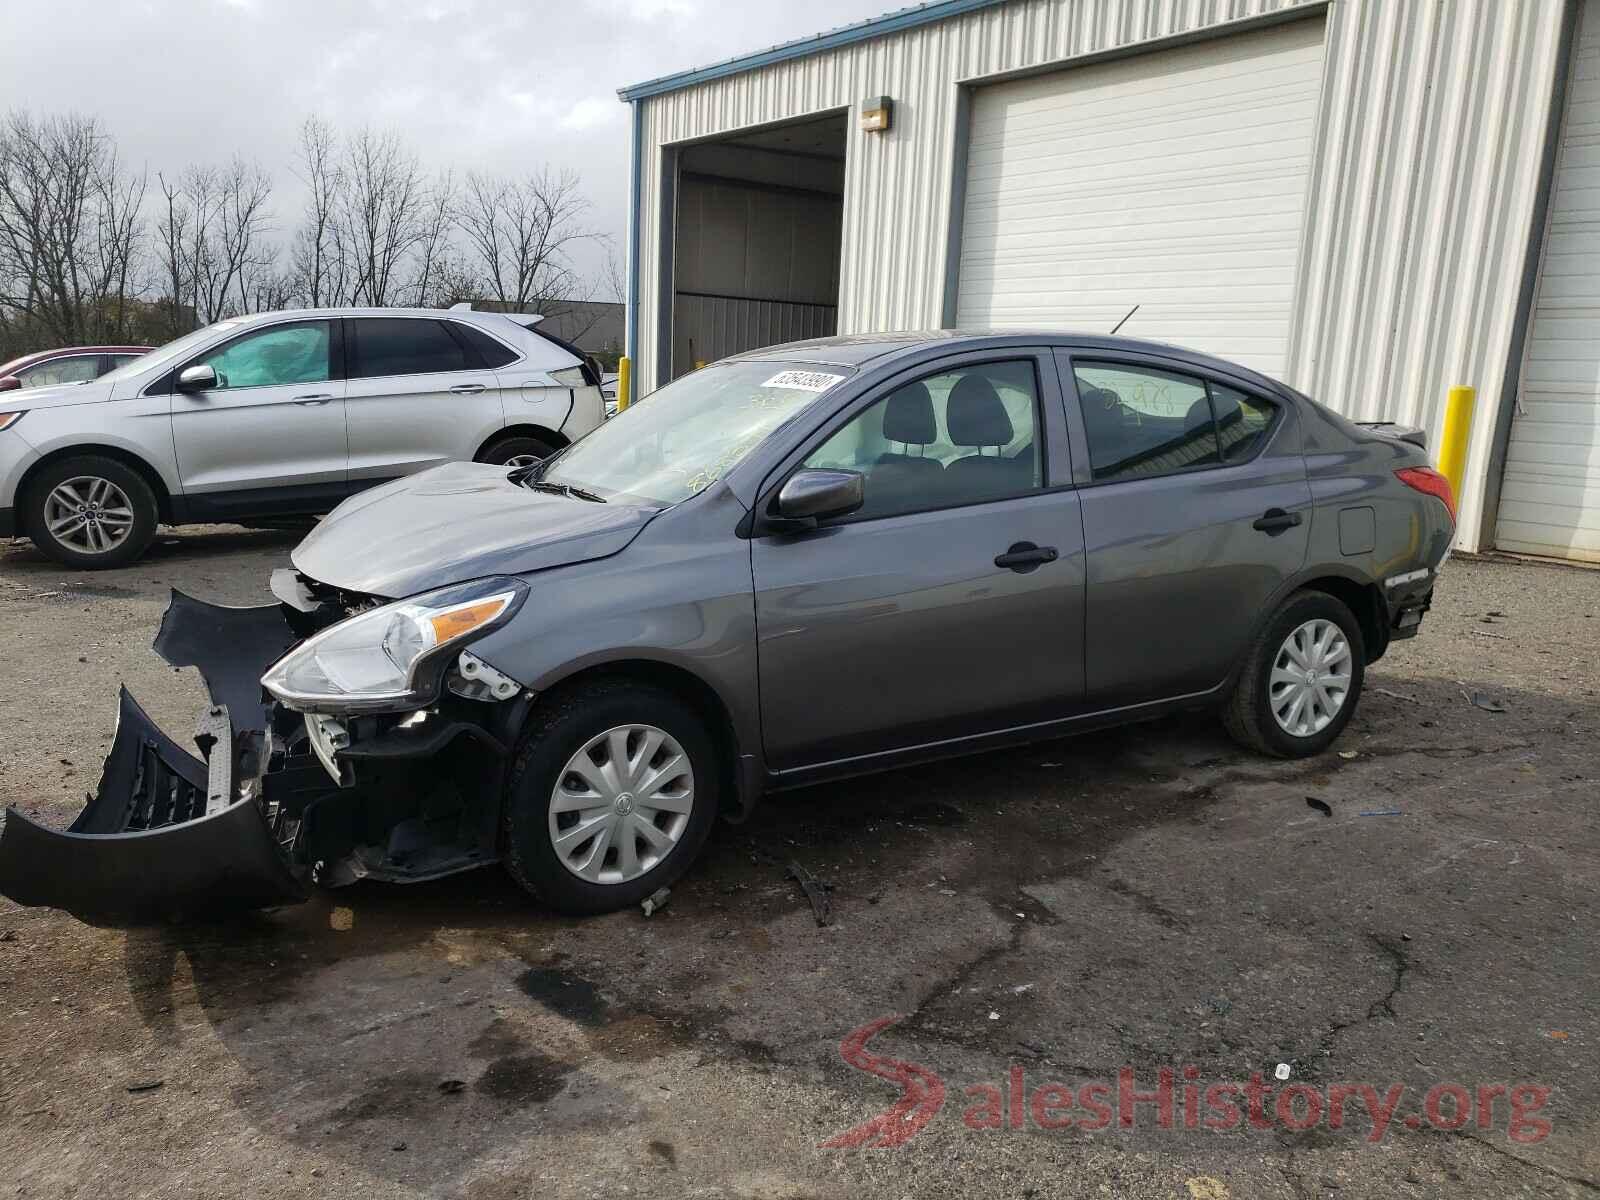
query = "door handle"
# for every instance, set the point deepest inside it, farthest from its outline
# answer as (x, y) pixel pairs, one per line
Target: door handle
(1023, 557)
(313, 400)
(1275, 521)
(467, 389)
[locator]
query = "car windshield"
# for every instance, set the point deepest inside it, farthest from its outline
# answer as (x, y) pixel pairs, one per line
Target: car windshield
(165, 356)
(681, 439)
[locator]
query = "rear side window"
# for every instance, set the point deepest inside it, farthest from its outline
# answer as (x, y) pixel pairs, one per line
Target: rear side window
(1242, 422)
(399, 346)
(491, 353)
(1141, 421)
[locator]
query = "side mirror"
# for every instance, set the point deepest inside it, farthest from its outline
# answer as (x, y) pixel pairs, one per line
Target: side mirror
(200, 378)
(10, 383)
(814, 493)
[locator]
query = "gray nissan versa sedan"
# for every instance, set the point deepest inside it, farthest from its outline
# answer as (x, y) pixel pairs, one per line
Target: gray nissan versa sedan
(805, 562)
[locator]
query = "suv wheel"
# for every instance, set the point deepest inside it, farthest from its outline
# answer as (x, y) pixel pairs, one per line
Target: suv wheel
(90, 512)
(516, 452)
(1301, 679)
(612, 794)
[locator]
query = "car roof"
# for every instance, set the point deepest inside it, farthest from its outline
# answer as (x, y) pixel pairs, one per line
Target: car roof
(877, 349)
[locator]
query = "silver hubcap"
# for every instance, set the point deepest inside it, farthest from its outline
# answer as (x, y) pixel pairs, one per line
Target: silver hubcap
(524, 460)
(621, 803)
(1310, 678)
(88, 514)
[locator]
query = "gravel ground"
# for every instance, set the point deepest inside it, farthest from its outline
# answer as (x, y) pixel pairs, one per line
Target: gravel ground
(1151, 897)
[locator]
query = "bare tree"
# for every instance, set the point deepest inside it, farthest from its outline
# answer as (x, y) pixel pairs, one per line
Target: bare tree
(437, 223)
(521, 233)
(382, 215)
(225, 239)
(70, 222)
(320, 263)
(171, 253)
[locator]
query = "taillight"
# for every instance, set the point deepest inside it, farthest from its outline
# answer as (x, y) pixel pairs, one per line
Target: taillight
(1429, 482)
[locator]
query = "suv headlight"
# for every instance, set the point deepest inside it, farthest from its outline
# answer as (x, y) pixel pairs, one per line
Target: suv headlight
(392, 658)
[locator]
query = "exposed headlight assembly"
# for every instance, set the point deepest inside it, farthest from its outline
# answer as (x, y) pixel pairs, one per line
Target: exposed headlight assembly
(392, 658)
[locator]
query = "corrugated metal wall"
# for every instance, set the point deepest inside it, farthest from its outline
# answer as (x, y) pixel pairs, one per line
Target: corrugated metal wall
(1430, 135)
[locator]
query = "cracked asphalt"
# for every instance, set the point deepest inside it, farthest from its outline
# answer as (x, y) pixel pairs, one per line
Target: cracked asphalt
(1142, 899)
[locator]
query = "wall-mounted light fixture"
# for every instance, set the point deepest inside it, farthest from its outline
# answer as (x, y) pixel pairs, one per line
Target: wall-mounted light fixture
(877, 114)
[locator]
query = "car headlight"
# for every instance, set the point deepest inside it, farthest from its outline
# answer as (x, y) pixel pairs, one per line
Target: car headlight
(391, 658)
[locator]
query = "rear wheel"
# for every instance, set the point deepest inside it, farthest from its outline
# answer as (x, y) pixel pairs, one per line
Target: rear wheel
(612, 795)
(516, 452)
(1301, 679)
(91, 512)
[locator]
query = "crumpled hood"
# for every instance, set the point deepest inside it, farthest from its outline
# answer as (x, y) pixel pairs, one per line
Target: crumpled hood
(57, 395)
(458, 522)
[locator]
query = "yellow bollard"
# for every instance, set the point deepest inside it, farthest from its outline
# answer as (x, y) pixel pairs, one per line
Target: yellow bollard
(1457, 433)
(624, 381)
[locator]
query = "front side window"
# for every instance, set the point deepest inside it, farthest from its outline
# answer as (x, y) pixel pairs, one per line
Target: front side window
(275, 357)
(399, 346)
(1141, 421)
(678, 441)
(61, 370)
(960, 437)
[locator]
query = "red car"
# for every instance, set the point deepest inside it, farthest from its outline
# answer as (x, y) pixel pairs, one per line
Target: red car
(72, 364)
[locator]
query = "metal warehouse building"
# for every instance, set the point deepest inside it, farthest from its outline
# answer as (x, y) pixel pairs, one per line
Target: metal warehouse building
(1372, 200)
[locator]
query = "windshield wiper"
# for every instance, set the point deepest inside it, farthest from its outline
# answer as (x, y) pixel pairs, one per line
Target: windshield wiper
(564, 489)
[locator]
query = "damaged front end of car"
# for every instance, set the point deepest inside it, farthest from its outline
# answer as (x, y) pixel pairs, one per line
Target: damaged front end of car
(348, 737)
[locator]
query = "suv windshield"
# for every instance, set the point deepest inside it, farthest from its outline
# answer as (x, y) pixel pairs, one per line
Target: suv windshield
(166, 355)
(680, 440)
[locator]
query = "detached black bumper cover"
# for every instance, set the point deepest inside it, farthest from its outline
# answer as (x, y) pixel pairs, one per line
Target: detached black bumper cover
(166, 833)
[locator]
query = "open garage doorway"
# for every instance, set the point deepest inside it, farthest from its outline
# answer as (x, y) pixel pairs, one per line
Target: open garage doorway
(756, 240)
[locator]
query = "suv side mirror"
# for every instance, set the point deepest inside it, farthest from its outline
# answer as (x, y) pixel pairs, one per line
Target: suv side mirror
(815, 493)
(10, 383)
(199, 378)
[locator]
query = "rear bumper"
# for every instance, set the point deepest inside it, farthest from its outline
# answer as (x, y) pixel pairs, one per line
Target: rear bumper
(8, 522)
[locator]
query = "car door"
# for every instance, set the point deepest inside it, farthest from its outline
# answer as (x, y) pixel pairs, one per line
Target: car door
(418, 397)
(1196, 511)
(270, 436)
(951, 604)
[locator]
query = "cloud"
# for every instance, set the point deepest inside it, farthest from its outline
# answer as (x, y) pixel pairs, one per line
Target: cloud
(489, 85)
(592, 112)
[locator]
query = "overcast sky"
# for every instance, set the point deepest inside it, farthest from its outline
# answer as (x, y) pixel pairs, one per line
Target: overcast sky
(503, 85)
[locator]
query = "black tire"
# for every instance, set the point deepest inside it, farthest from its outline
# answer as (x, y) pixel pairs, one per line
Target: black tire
(506, 449)
(141, 500)
(561, 725)
(1248, 714)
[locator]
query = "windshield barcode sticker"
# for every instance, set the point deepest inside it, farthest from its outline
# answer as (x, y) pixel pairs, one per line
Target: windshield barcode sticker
(803, 381)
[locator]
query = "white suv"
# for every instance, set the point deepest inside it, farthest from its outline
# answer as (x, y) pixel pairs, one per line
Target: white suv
(281, 414)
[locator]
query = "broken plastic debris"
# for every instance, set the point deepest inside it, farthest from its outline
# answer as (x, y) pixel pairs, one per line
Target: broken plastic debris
(994, 1016)
(1349, 754)
(655, 901)
(1322, 806)
(1282, 1071)
(1382, 812)
(1487, 703)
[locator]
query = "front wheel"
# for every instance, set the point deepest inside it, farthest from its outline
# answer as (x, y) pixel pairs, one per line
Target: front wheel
(90, 512)
(612, 795)
(1301, 679)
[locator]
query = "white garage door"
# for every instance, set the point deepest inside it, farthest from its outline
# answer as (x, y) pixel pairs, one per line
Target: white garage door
(1174, 180)
(1550, 494)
